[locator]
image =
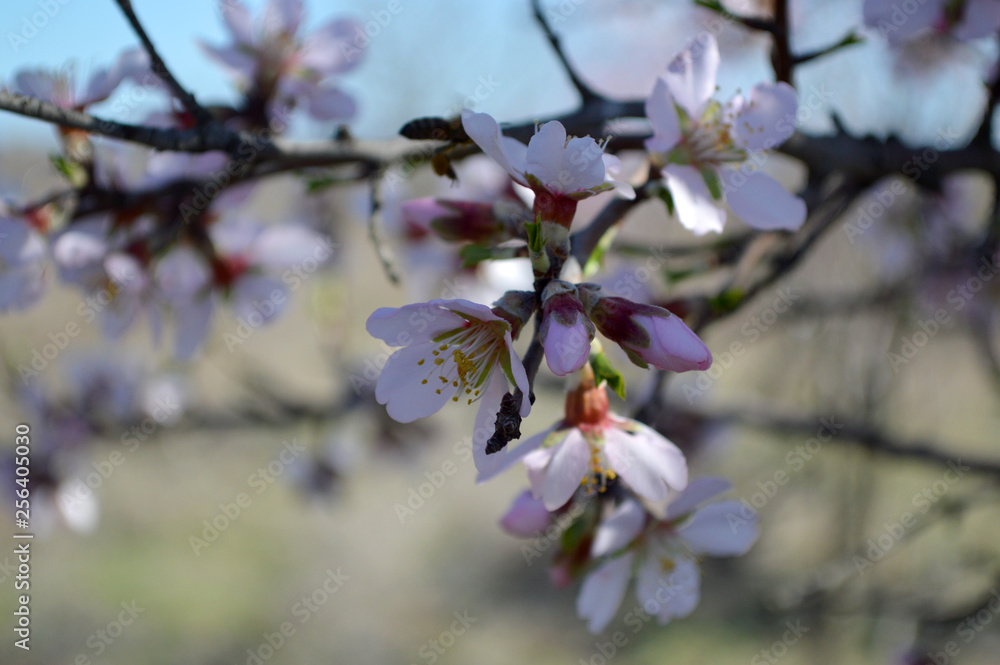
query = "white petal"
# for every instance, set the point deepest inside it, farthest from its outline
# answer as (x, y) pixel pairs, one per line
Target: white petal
(761, 201)
(192, 323)
(285, 245)
(545, 155)
(516, 455)
(768, 119)
(696, 209)
(698, 491)
(720, 529)
(646, 461)
(485, 131)
(485, 427)
(399, 385)
(602, 592)
(691, 75)
(535, 463)
(662, 114)
(668, 595)
(566, 469)
(400, 326)
(619, 529)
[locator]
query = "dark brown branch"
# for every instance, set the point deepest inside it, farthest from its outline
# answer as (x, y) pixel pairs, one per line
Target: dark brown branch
(781, 53)
(586, 93)
(202, 116)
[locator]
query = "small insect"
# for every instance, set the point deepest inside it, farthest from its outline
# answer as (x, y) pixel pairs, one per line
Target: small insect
(436, 129)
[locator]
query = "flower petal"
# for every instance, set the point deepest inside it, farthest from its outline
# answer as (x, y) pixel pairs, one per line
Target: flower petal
(691, 75)
(619, 529)
(566, 469)
(399, 386)
(646, 461)
(662, 114)
(526, 516)
(602, 592)
(762, 202)
(567, 348)
(399, 326)
(698, 491)
(486, 418)
(485, 131)
(671, 595)
(768, 119)
(696, 209)
(516, 455)
(544, 158)
(720, 529)
(673, 346)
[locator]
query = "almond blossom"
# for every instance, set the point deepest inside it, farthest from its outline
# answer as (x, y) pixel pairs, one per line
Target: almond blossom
(963, 20)
(23, 260)
(704, 148)
(566, 330)
(663, 555)
(591, 447)
(560, 170)
(62, 88)
(271, 61)
(453, 350)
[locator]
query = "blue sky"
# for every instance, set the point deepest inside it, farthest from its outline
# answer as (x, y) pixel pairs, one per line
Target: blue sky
(434, 53)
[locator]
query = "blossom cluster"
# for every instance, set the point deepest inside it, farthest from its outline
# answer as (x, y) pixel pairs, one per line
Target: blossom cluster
(623, 484)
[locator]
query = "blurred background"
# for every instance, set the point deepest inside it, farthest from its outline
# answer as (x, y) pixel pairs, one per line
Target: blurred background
(258, 484)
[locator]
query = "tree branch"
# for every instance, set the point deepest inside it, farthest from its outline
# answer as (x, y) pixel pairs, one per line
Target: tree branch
(586, 93)
(202, 116)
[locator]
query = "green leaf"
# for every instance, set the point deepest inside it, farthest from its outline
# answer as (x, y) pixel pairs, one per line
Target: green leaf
(72, 171)
(474, 254)
(727, 300)
(665, 196)
(712, 181)
(535, 242)
(596, 259)
(603, 371)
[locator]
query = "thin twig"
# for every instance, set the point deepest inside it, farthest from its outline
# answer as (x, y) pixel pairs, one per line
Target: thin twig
(191, 105)
(586, 93)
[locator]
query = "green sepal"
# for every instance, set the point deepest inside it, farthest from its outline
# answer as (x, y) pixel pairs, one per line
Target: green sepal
(604, 371)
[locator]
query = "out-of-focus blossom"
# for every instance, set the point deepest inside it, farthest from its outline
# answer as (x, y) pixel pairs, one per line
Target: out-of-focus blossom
(451, 349)
(23, 260)
(62, 88)
(963, 20)
(662, 555)
(709, 153)
(271, 61)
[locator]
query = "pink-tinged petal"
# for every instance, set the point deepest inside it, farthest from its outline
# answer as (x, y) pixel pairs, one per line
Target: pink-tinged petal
(520, 377)
(181, 274)
(545, 152)
(399, 385)
(583, 166)
(762, 202)
(612, 169)
(980, 18)
(286, 245)
(768, 119)
(329, 50)
(132, 64)
(239, 64)
(467, 307)
(526, 517)
(662, 114)
(879, 15)
(328, 103)
(485, 131)
(536, 463)
(237, 19)
(126, 272)
(235, 237)
(516, 455)
(696, 209)
(193, 320)
(40, 84)
(14, 235)
(485, 427)
(22, 286)
(602, 592)
(283, 16)
(691, 75)
(78, 247)
(668, 595)
(720, 529)
(400, 326)
(567, 468)
(673, 346)
(643, 467)
(258, 298)
(697, 492)
(620, 528)
(118, 316)
(567, 348)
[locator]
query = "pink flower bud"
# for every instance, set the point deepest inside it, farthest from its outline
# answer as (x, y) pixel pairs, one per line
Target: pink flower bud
(649, 335)
(526, 516)
(566, 331)
(455, 221)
